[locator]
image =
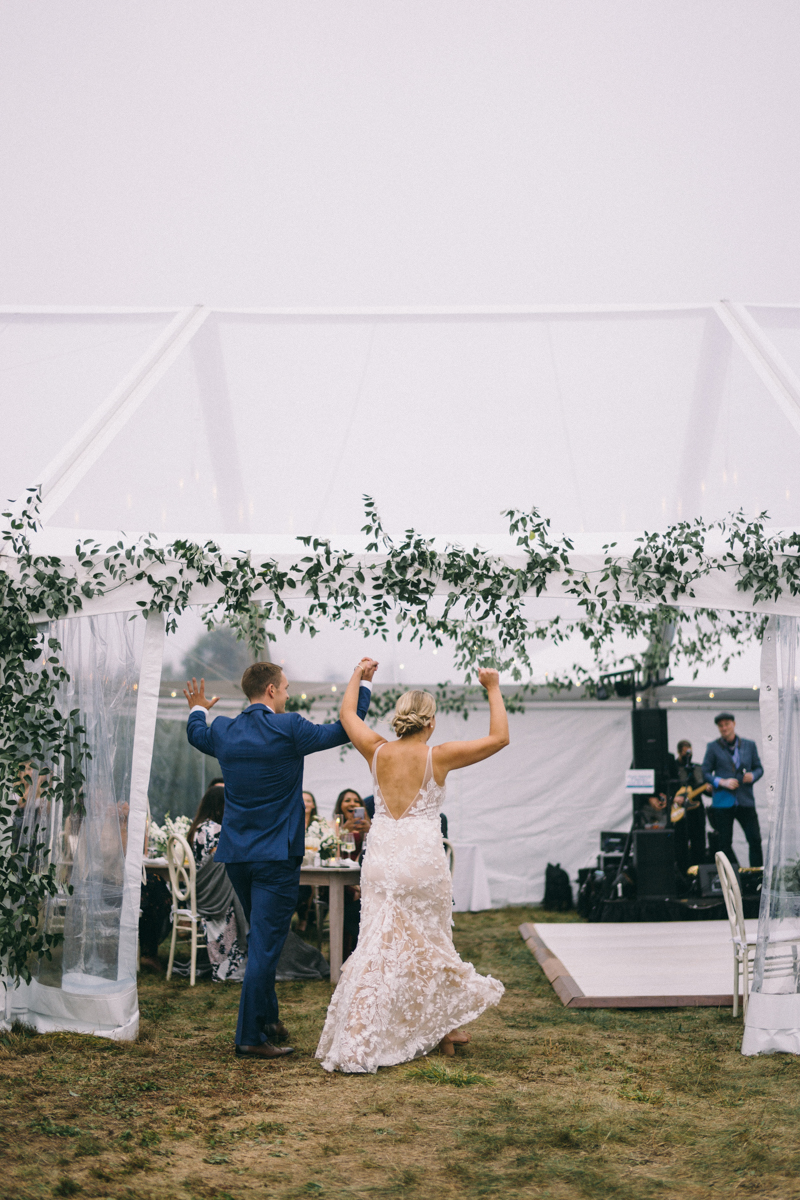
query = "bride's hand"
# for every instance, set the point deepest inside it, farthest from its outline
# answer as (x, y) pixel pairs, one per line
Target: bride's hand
(488, 677)
(366, 668)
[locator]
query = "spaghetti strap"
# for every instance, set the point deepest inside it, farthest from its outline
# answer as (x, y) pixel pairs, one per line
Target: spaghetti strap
(428, 776)
(374, 767)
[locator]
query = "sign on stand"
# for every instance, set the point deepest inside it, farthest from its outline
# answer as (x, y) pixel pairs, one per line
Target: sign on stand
(640, 781)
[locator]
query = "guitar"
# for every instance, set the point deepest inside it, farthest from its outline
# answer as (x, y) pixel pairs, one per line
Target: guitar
(679, 811)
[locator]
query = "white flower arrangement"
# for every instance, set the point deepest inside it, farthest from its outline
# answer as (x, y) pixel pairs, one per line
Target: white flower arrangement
(320, 837)
(159, 834)
(319, 834)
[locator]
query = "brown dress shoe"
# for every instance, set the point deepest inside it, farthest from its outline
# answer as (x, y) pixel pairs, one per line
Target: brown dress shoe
(277, 1032)
(265, 1050)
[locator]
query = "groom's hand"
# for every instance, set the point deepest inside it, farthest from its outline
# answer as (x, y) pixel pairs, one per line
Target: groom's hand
(368, 668)
(197, 695)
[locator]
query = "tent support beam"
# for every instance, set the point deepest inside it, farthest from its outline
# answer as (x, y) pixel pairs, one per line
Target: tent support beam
(779, 379)
(63, 473)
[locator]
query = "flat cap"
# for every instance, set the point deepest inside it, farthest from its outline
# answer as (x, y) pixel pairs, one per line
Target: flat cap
(726, 716)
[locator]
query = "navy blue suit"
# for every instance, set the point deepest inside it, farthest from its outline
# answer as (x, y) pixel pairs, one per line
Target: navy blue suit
(263, 832)
(740, 805)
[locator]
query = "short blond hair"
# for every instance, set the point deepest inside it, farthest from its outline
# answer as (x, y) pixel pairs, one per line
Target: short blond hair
(413, 711)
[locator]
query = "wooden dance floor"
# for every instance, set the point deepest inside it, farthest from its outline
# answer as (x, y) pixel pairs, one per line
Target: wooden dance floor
(664, 964)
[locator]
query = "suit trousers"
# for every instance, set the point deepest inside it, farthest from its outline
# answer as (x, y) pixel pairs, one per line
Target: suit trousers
(722, 822)
(268, 894)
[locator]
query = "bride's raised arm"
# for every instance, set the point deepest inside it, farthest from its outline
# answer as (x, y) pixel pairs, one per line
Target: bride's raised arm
(452, 755)
(365, 740)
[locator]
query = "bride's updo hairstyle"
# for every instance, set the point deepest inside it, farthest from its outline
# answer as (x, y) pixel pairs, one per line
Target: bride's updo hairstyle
(413, 711)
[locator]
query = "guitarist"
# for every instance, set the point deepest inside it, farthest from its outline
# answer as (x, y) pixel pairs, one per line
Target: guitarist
(688, 814)
(732, 766)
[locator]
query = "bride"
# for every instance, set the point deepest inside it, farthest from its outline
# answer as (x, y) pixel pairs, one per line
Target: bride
(404, 990)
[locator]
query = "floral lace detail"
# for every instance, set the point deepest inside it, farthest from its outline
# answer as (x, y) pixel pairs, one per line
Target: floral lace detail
(404, 987)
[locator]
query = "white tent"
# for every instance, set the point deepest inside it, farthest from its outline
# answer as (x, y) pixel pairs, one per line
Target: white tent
(203, 424)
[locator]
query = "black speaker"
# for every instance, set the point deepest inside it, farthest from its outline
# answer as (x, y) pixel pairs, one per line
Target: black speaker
(650, 740)
(612, 842)
(654, 859)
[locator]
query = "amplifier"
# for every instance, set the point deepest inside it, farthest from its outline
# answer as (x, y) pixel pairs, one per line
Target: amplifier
(654, 859)
(612, 842)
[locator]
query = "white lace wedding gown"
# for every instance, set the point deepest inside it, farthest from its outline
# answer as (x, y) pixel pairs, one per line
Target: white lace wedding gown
(404, 987)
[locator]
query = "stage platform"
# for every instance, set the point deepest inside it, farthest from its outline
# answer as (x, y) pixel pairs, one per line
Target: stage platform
(663, 964)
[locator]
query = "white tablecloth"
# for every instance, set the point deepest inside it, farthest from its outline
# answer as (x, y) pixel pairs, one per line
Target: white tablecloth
(470, 884)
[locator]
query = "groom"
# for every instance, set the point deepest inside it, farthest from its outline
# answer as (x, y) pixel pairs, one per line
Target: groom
(263, 828)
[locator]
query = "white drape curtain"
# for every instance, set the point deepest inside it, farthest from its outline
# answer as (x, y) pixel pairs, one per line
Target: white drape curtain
(89, 985)
(773, 1014)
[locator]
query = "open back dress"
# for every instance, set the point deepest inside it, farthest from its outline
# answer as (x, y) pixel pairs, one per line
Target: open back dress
(404, 986)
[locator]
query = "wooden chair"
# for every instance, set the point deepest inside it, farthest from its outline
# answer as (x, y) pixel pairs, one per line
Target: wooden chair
(182, 875)
(451, 854)
(744, 944)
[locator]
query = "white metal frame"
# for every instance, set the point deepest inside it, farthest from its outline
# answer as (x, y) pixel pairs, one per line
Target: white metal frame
(61, 476)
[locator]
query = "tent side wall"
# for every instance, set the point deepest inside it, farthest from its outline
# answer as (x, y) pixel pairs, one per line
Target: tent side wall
(89, 986)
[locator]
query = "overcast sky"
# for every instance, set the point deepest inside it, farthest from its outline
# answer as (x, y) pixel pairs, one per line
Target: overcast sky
(423, 152)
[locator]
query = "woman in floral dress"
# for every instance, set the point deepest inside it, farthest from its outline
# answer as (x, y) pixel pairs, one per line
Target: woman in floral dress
(223, 918)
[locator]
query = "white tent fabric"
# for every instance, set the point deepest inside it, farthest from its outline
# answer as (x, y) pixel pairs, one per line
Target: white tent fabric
(213, 423)
(610, 421)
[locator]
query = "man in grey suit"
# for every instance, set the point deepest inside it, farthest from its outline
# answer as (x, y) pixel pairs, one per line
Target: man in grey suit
(732, 766)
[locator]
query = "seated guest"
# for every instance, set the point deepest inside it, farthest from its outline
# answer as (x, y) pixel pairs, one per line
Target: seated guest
(305, 894)
(346, 804)
(653, 814)
(155, 907)
(223, 918)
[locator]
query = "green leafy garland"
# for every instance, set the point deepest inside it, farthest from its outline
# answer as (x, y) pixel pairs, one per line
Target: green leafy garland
(482, 617)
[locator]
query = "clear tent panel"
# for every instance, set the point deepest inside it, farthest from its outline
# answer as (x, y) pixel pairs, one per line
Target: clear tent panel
(84, 830)
(55, 369)
(605, 421)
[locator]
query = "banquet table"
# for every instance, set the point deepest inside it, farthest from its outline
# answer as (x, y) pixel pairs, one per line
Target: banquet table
(334, 878)
(470, 881)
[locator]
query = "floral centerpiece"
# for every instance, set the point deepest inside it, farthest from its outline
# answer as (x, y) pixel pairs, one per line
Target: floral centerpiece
(321, 838)
(159, 834)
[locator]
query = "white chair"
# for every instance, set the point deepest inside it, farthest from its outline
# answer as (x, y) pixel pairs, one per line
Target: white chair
(744, 944)
(451, 854)
(182, 875)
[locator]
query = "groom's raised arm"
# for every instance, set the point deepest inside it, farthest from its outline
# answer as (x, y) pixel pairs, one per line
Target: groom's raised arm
(309, 738)
(199, 732)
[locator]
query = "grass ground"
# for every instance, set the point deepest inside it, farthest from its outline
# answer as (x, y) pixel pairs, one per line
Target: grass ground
(546, 1102)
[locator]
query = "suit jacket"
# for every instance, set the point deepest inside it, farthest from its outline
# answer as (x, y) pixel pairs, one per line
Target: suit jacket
(718, 764)
(261, 755)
